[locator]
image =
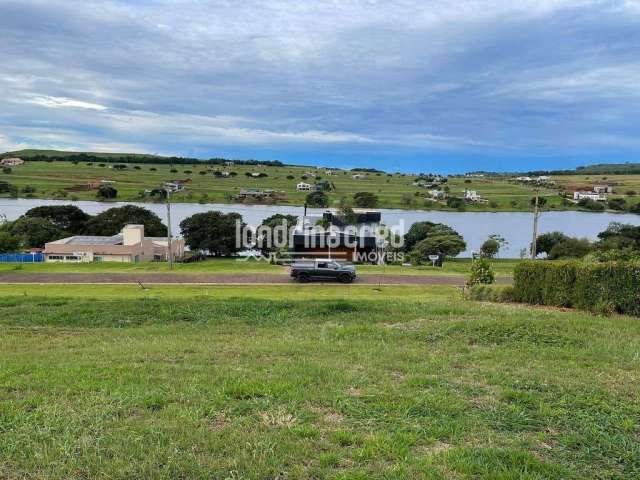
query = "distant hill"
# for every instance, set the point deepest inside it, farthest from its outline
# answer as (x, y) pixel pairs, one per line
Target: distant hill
(595, 169)
(35, 155)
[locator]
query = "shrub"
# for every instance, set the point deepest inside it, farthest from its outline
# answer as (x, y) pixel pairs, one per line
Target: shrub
(617, 204)
(6, 170)
(317, 199)
(455, 202)
(603, 287)
(106, 192)
(365, 199)
(591, 205)
(481, 273)
(491, 293)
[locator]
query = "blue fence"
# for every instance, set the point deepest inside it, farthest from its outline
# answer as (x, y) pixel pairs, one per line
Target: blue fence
(21, 257)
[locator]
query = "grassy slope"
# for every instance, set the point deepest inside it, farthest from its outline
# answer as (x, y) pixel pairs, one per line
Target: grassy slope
(231, 266)
(191, 386)
(50, 179)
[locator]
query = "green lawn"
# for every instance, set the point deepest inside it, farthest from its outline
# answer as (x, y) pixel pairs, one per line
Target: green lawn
(502, 267)
(312, 382)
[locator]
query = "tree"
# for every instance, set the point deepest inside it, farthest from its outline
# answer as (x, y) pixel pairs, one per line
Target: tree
(542, 201)
(427, 238)
(271, 223)
(5, 187)
(618, 236)
(490, 248)
(443, 245)
(68, 218)
(213, 232)
(570, 248)
(111, 221)
(34, 232)
(317, 199)
(9, 243)
(106, 192)
(365, 200)
(545, 242)
(635, 209)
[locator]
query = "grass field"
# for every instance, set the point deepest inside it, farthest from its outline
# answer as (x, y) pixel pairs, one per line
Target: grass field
(312, 382)
(394, 191)
(502, 267)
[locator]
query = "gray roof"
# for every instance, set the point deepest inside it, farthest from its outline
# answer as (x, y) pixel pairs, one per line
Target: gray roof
(93, 240)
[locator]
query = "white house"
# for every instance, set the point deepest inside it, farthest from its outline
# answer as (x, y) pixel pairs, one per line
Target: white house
(524, 179)
(303, 187)
(437, 194)
(11, 162)
(359, 176)
(598, 197)
(543, 179)
(472, 196)
(603, 189)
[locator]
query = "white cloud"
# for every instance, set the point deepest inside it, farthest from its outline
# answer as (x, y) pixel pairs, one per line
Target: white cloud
(60, 102)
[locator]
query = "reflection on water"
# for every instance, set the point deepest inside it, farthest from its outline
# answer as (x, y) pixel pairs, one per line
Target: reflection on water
(475, 227)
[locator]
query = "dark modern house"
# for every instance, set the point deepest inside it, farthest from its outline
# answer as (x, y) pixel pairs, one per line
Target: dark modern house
(328, 236)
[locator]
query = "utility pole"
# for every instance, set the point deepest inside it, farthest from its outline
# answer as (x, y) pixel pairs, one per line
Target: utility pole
(536, 213)
(170, 252)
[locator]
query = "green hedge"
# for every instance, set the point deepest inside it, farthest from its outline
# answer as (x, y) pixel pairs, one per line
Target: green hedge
(605, 287)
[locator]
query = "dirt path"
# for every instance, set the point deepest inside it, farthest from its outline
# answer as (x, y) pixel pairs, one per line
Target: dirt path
(230, 279)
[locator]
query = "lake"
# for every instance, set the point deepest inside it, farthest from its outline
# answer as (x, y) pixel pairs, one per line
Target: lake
(475, 227)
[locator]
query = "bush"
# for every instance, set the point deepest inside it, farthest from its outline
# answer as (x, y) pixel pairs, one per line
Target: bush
(6, 170)
(365, 199)
(456, 202)
(317, 199)
(481, 273)
(491, 293)
(591, 205)
(617, 204)
(602, 287)
(570, 248)
(106, 192)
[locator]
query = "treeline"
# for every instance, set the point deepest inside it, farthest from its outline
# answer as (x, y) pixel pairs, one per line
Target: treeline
(143, 159)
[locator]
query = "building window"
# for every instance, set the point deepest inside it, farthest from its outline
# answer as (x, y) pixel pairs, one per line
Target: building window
(74, 258)
(97, 259)
(55, 257)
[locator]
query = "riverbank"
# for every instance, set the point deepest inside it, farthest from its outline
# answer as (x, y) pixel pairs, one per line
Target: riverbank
(475, 227)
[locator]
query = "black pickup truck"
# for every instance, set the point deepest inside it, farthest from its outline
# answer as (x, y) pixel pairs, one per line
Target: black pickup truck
(305, 271)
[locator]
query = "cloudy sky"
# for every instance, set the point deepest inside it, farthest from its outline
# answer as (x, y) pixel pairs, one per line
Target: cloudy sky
(412, 85)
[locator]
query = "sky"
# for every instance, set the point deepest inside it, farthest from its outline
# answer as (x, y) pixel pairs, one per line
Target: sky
(407, 85)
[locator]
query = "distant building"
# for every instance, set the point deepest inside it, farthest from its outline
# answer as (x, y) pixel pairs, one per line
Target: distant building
(437, 194)
(129, 246)
(303, 187)
(598, 197)
(603, 189)
(11, 162)
(472, 196)
(359, 176)
(524, 179)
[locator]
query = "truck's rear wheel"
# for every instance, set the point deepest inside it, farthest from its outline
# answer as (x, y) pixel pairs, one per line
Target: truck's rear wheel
(345, 278)
(303, 277)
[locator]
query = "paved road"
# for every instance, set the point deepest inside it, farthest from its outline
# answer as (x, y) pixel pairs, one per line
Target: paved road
(229, 279)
